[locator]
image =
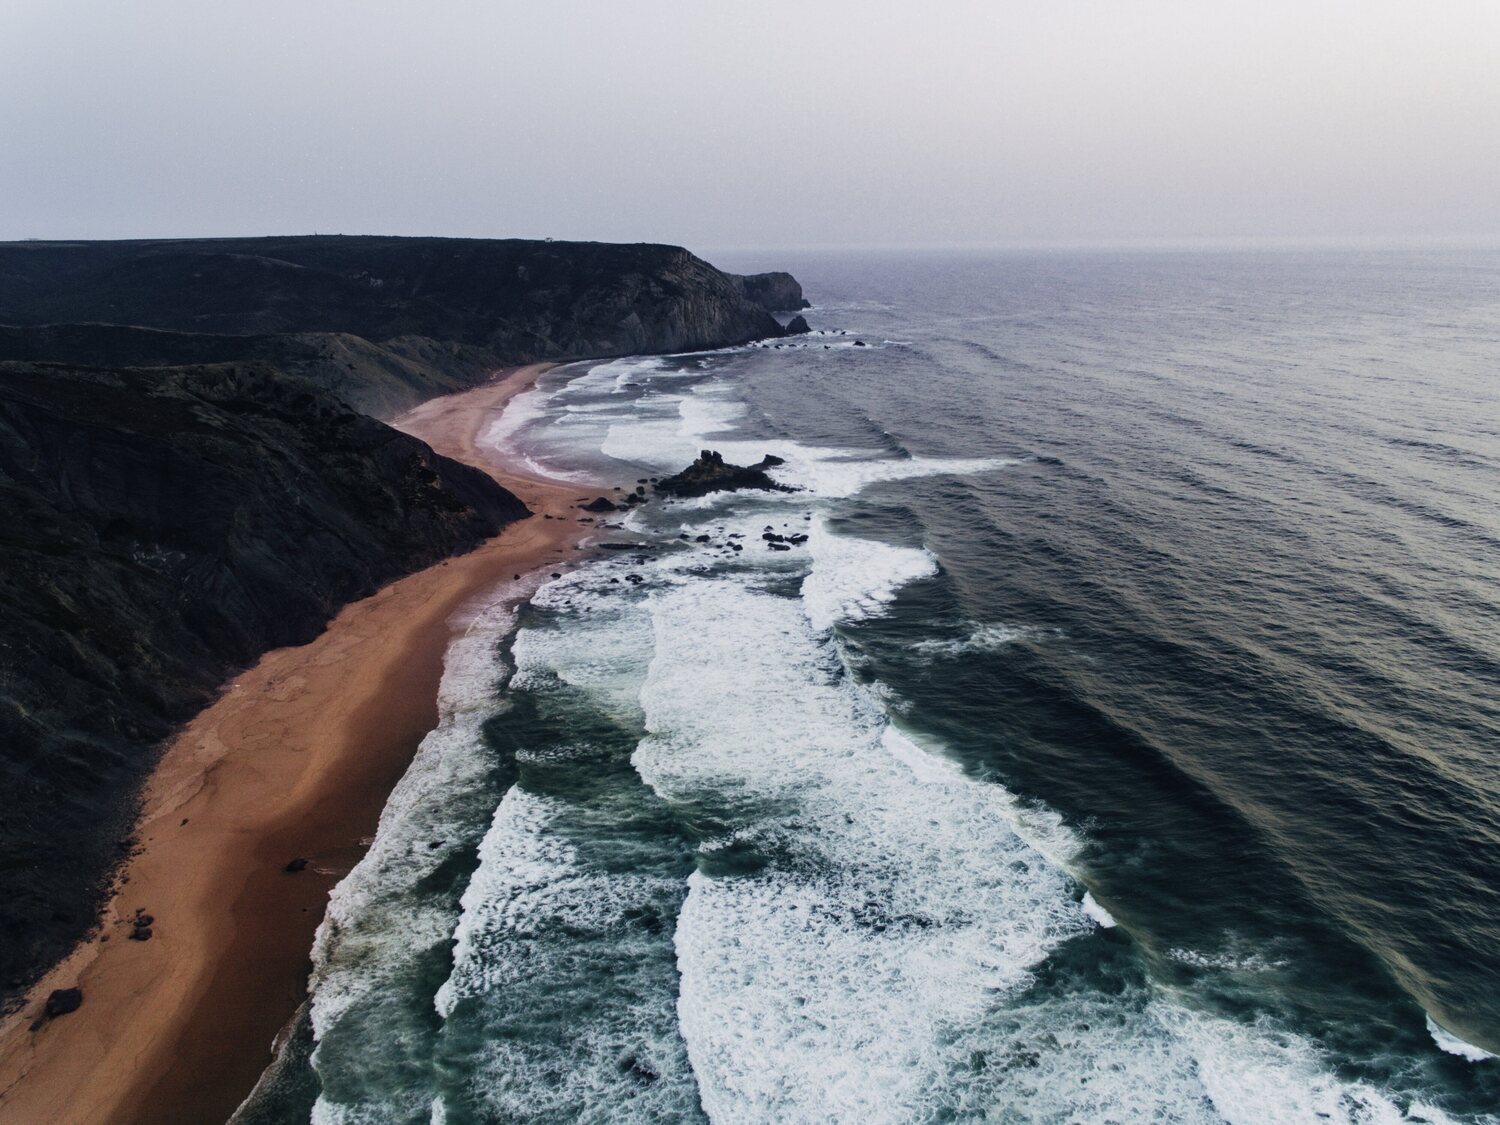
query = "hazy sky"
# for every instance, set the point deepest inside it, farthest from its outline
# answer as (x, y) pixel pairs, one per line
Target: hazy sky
(737, 124)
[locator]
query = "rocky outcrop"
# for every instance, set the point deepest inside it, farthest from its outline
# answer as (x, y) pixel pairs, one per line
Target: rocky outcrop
(711, 473)
(774, 292)
(160, 529)
(797, 326)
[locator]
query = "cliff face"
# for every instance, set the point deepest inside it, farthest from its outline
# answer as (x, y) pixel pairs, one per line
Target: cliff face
(520, 300)
(774, 292)
(159, 529)
(381, 379)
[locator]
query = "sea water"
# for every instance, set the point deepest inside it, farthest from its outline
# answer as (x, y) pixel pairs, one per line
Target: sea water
(1119, 745)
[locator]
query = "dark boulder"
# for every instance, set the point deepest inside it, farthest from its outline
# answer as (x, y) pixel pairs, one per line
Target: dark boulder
(296, 865)
(62, 1001)
(798, 326)
(602, 504)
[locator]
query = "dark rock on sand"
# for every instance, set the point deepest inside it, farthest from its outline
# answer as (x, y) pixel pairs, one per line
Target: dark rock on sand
(602, 504)
(59, 1003)
(296, 865)
(62, 1001)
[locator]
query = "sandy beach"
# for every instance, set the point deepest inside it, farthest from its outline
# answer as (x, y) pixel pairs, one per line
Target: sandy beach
(294, 760)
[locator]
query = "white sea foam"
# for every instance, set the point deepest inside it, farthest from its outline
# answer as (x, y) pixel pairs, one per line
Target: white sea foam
(1092, 908)
(547, 927)
(841, 980)
(1226, 961)
(1260, 1072)
(835, 474)
(853, 579)
(1454, 1045)
(376, 930)
(524, 409)
(991, 637)
(515, 433)
(606, 653)
(860, 941)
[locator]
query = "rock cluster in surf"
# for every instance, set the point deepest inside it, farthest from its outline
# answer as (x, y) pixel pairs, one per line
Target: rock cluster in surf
(711, 473)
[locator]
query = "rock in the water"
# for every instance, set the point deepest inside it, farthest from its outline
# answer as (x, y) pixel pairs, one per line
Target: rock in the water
(711, 473)
(798, 326)
(602, 504)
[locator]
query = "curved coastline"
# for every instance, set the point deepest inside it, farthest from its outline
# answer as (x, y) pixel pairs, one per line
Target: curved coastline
(295, 759)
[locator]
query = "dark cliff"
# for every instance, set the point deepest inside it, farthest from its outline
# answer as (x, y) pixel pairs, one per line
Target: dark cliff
(381, 379)
(160, 529)
(774, 292)
(518, 300)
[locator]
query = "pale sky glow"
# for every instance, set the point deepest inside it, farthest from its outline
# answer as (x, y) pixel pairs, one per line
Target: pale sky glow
(825, 122)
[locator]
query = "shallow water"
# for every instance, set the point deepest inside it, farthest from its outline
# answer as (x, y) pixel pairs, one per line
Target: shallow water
(1120, 746)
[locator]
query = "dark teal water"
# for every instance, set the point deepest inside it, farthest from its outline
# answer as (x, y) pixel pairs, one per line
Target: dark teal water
(1172, 579)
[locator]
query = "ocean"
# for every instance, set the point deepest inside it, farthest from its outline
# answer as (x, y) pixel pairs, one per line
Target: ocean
(1121, 743)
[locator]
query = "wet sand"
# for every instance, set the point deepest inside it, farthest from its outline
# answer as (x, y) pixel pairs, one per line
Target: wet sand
(295, 759)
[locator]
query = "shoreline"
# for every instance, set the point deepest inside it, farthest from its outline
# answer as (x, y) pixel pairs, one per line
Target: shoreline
(294, 759)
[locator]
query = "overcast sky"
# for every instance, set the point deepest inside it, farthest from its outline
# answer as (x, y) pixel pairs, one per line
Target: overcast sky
(742, 124)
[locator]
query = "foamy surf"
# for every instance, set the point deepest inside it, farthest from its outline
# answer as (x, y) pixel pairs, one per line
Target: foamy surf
(393, 915)
(727, 884)
(1092, 908)
(1451, 1043)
